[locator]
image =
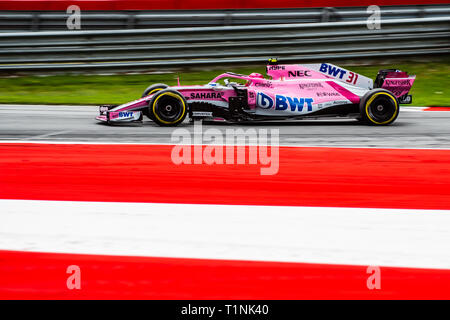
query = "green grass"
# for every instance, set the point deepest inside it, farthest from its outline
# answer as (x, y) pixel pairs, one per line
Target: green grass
(431, 86)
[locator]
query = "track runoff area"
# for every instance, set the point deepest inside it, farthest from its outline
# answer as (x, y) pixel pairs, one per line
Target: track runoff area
(99, 219)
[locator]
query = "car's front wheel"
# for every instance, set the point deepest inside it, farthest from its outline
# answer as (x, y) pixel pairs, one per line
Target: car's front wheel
(168, 107)
(379, 107)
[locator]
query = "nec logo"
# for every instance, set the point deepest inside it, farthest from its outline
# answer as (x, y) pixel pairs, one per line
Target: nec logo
(125, 114)
(283, 102)
(332, 70)
(299, 73)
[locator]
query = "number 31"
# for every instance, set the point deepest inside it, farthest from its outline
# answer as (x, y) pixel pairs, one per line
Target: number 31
(352, 78)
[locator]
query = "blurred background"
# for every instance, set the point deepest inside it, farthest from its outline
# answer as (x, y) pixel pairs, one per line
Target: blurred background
(108, 51)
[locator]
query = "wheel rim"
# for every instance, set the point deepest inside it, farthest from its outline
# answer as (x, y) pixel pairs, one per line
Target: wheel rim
(382, 109)
(169, 108)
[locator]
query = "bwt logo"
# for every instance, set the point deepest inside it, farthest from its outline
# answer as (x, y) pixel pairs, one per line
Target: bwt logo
(125, 114)
(332, 70)
(264, 101)
(283, 103)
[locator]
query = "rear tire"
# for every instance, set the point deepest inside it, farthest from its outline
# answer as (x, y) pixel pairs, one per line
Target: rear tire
(379, 107)
(151, 90)
(168, 108)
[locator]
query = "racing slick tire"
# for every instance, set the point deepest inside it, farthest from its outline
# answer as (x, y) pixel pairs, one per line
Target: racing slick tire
(154, 88)
(151, 90)
(379, 107)
(168, 108)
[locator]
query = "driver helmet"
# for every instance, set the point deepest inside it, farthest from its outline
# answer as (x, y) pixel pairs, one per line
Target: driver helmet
(256, 75)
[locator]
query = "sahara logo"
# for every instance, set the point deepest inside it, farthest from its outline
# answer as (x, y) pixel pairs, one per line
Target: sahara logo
(206, 95)
(283, 102)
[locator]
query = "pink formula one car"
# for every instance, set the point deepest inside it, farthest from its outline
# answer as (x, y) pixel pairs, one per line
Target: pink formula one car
(290, 92)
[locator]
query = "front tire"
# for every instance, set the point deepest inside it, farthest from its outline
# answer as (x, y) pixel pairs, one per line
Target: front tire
(379, 107)
(168, 108)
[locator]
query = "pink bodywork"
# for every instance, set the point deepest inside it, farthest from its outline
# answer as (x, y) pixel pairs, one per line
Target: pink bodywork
(307, 87)
(399, 83)
(292, 89)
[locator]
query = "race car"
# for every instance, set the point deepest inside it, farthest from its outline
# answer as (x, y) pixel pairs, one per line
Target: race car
(289, 92)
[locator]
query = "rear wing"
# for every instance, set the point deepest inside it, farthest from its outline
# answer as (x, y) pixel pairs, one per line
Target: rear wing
(396, 81)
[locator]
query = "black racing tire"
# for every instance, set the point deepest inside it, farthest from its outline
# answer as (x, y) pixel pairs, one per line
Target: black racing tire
(154, 88)
(379, 107)
(150, 90)
(168, 108)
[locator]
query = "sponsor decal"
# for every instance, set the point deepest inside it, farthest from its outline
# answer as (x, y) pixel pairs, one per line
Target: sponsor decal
(336, 102)
(403, 82)
(331, 103)
(332, 70)
(327, 94)
(398, 87)
(264, 84)
(296, 104)
(399, 91)
(405, 99)
(264, 101)
(206, 95)
(201, 114)
(284, 103)
(313, 85)
(299, 73)
(125, 114)
(275, 67)
(337, 72)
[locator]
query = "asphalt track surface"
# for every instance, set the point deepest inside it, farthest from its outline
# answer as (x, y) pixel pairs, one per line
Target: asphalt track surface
(204, 242)
(412, 129)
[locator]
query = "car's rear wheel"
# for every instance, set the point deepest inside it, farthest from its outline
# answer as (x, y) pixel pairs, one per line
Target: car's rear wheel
(379, 107)
(168, 107)
(151, 90)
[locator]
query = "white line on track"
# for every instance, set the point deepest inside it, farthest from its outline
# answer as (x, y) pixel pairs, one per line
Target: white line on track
(74, 142)
(46, 135)
(356, 236)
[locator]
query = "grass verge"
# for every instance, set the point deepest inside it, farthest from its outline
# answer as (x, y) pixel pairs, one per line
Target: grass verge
(430, 89)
